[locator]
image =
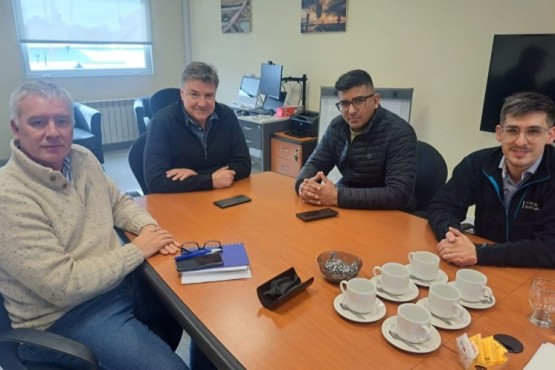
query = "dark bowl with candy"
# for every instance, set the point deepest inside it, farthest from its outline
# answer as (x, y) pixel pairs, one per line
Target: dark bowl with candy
(339, 265)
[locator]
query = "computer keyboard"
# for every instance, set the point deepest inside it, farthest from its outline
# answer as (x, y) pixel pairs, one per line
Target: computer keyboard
(260, 111)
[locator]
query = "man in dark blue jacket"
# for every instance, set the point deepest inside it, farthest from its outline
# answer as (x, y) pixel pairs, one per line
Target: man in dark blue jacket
(196, 143)
(513, 189)
(374, 149)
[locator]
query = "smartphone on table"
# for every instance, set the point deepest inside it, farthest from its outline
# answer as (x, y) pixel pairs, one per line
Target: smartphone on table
(199, 262)
(317, 214)
(233, 201)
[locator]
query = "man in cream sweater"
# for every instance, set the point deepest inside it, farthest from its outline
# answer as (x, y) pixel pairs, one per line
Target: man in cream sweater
(62, 267)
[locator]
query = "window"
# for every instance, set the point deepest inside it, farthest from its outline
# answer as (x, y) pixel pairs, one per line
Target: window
(84, 37)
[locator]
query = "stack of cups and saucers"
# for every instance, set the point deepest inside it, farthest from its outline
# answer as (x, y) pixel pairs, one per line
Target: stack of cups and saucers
(415, 326)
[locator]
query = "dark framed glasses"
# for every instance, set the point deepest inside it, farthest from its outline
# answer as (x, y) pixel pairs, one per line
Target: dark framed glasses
(191, 247)
(358, 102)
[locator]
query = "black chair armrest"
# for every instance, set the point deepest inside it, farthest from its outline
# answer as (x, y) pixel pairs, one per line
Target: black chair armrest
(49, 341)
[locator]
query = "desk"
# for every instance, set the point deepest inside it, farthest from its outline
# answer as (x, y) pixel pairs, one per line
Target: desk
(258, 130)
(228, 322)
(289, 153)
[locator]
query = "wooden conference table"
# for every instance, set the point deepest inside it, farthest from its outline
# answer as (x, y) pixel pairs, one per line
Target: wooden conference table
(229, 323)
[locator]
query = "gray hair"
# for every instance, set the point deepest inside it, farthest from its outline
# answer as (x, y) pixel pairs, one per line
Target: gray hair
(523, 103)
(200, 71)
(46, 90)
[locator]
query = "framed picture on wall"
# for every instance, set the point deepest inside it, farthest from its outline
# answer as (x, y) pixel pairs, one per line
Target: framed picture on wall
(236, 16)
(323, 16)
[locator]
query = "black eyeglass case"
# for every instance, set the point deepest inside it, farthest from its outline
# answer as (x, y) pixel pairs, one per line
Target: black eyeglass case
(281, 288)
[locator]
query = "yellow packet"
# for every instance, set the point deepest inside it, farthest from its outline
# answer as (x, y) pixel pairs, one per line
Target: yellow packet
(490, 352)
(494, 352)
(477, 341)
(490, 355)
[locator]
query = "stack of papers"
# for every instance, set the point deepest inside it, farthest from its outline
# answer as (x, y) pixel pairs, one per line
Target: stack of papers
(236, 266)
(543, 358)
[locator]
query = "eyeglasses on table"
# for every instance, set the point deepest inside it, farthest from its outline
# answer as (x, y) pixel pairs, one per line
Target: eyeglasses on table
(191, 247)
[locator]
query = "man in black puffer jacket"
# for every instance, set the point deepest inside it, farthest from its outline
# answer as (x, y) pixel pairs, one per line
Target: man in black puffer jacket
(374, 149)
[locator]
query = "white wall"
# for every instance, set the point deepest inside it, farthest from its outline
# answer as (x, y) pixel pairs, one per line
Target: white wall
(441, 48)
(169, 62)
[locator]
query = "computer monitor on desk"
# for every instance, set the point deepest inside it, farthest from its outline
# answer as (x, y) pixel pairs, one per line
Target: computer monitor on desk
(247, 97)
(270, 79)
(273, 103)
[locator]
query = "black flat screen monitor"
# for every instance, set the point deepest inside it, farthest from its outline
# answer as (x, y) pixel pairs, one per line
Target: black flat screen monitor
(270, 80)
(249, 86)
(518, 63)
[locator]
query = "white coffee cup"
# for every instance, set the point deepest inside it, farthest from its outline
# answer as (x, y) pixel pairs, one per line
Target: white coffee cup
(393, 277)
(424, 265)
(443, 301)
(473, 285)
(414, 323)
(359, 294)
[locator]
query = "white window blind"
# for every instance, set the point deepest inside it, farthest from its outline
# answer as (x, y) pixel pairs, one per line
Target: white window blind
(84, 36)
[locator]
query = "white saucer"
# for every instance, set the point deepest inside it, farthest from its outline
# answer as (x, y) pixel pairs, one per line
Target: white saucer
(476, 305)
(408, 296)
(441, 278)
(429, 346)
(458, 323)
(375, 315)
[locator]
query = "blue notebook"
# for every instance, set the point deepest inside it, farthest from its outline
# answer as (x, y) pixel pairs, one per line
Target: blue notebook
(234, 257)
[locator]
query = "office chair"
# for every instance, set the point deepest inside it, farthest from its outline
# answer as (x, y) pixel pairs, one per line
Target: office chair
(163, 98)
(10, 339)
(431, 174)
(87, 131)
(136, 159)
(141, 108)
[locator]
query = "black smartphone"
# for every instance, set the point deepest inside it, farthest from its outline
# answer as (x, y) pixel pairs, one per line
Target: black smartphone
(200, 262)
(233, 201)
(317, 214)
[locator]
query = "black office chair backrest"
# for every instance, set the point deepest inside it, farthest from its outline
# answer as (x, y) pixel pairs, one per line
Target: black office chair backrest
(163, 98)
(136, 159)
(88, 129)
(431, 174)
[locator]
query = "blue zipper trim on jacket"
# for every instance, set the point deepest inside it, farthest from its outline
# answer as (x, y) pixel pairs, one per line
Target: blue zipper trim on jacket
(495, 185)
(498, 192)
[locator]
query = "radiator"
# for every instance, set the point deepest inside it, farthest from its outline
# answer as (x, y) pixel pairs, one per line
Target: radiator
(118, 121)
